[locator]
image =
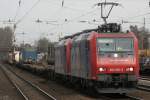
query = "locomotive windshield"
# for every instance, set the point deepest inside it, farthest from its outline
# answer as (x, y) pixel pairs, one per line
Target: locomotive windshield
(114, 44)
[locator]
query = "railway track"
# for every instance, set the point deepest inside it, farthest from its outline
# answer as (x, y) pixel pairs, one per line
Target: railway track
(27, 89)
(142, 86)
(120, 97)
(133, 97)
(100, 97)
(145, 78)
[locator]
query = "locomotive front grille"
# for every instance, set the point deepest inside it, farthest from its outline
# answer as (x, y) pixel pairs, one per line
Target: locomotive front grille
(116, 80)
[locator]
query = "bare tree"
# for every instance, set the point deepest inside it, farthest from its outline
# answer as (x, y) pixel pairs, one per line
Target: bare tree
(42, 45)
(142, 34)
(6, 36)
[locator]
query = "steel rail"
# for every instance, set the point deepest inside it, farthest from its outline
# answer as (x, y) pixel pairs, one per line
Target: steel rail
(33, 85)
(133, 97)
(145, 78)
(14, 84)
(144, 88)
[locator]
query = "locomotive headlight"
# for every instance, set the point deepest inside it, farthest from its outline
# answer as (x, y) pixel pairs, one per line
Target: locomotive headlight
(131, 69)
(115, 55)
(101, 69)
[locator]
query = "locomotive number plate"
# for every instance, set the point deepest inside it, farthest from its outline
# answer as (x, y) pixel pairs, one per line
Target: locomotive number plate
(116, 69)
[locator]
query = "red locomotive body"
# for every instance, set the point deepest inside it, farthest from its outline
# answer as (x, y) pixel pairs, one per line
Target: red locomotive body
(62, 58)
(68, 54)
(106, 61)
(114, 61)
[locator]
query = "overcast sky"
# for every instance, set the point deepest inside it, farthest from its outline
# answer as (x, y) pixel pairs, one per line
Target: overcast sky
(73, 10)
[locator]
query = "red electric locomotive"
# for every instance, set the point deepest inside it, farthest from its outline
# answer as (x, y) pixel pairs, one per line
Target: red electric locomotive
(103, 58)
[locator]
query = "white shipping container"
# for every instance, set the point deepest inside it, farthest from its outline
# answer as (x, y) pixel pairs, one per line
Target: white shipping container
(17, 55)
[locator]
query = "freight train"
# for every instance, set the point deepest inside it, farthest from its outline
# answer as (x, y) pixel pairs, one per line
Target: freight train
(51, 54)
(26, 55)
(104, 58)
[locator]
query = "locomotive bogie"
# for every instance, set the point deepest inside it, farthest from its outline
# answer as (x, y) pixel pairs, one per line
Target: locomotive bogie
(116, 83)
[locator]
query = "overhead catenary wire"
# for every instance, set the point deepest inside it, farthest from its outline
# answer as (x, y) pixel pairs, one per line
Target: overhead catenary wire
(141, 15)
(64, 6)
(48, 23)
(66, 21)
(62, 3)
(82, 15)
(18, 9)
(87, 13)
(24, 16)
(73, 19)
(35, 4)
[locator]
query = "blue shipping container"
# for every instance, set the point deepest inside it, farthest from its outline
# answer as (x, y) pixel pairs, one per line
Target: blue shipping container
(29, 55)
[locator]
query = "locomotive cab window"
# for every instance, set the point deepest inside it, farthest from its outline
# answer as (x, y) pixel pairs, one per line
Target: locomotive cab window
(115, 44)
(106, 44)
(124, 44)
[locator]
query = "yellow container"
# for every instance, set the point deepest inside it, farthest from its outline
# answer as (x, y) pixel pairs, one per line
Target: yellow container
(148, 53)
(142, 53)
